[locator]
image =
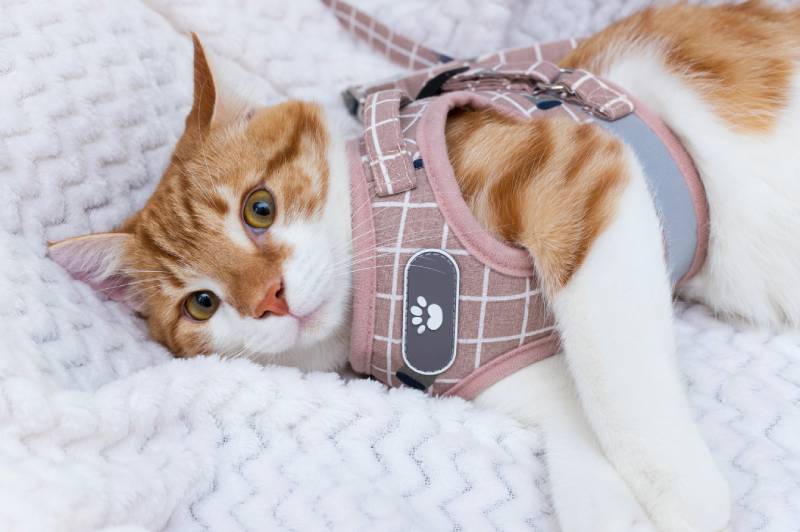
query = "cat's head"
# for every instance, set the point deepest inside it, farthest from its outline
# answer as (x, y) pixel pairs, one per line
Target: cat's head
(244, 247)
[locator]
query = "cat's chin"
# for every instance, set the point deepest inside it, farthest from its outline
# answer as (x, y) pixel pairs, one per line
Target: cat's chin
(308, 321)
(317, 347)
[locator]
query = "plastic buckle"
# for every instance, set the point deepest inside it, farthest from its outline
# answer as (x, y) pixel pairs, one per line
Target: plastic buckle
(433, 87)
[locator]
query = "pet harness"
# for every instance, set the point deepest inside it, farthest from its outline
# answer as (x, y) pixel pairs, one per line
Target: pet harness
(439, 303)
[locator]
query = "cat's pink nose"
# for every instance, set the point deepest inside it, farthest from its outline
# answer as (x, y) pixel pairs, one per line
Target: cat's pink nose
(273, 303)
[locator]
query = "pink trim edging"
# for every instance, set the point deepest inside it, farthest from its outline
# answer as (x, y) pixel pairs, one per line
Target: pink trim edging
(498, 255)
(503, 366)
(363, 326)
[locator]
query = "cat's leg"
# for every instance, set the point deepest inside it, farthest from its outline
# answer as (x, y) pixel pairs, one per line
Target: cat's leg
(588, 494)
(615, 317)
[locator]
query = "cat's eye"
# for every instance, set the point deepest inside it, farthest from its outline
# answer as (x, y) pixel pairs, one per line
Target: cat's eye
(201, 305)
(259, 209)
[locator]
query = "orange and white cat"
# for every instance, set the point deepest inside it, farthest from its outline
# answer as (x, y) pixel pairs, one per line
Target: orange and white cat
(245, 248)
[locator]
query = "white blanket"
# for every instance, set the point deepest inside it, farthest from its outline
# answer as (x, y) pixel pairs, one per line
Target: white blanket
(101, 430)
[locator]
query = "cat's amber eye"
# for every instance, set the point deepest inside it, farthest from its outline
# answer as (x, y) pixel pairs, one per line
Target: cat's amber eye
(201, 305)
(259, 209)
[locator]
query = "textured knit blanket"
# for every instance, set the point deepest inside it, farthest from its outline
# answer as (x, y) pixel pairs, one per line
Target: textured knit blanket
(101, 430)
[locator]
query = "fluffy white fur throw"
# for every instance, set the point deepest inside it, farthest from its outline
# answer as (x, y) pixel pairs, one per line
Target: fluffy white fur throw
(100, 430)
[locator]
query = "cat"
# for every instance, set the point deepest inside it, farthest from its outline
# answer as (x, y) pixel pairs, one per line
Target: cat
(245, 248)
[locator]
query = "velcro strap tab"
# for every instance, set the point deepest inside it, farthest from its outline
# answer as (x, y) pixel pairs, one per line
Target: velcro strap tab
(389, 159)
(602, 99)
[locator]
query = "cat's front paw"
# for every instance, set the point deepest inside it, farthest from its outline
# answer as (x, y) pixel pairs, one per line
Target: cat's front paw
(698, 504)
(598, 500)
(612, 511)
(689, 496)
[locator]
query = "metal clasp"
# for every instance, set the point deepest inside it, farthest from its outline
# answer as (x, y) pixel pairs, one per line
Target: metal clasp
(553, 87)
(556, 86)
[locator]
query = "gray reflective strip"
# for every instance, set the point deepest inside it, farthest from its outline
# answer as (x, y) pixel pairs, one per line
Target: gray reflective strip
(671, 195)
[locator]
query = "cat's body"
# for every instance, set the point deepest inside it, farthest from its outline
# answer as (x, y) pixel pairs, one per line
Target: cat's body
(622, 447)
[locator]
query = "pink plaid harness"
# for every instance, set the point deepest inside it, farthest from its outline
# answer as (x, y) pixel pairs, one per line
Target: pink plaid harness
(439, 303)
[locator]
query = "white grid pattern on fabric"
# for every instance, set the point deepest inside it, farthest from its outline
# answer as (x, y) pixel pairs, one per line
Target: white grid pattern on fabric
(387, 150)
(489, 299)
(480, 338)
(621, 97)
(528, 295)
(482, 317)
(511, 101)
(537, 50)
(581, 81)
(497, 339)
(395, 298)
(351, 23)
(373, 107)
(511, 294)
(395, 268)
(476, 341)
(411, 251)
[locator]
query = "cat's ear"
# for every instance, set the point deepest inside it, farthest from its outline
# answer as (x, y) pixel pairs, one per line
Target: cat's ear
(204, 100)
(98, 260)
(212, 104)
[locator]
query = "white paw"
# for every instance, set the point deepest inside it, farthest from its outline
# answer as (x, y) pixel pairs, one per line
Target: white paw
(698, 503)
(602, 503)
(684, 492)
(434, 319)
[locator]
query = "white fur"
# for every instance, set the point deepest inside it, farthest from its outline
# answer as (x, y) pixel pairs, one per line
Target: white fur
(615, 317)
(616, 323)
(753, 186)
(588, 493)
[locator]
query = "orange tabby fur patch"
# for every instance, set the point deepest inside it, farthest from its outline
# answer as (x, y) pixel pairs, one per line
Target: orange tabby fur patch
(548, 185)
(739, 57)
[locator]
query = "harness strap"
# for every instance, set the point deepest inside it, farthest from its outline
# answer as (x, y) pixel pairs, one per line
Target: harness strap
(525, 70)
(388, 158)
(579, 86)
(398, 48)
(505, 76)
(508, 70)
(602, 99)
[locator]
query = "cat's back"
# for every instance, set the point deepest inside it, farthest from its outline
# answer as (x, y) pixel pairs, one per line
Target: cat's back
(741, 57)
(726, 79)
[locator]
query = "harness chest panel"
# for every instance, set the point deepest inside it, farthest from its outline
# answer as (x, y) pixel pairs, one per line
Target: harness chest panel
(408, 212)
(500, 314)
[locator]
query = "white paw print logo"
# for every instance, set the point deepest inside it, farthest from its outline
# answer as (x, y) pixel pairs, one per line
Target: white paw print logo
(434, 311)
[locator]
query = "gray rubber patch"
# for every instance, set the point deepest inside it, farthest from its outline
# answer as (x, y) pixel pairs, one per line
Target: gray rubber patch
(430, 312)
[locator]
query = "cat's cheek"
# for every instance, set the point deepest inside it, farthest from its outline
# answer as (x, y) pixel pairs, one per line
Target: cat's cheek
(230, 333)
(308, 271)
(189, 340)
(274, 336)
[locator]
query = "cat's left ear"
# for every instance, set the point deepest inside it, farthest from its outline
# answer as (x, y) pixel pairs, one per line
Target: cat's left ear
(98, 260)
(212, 105)
(204, 99)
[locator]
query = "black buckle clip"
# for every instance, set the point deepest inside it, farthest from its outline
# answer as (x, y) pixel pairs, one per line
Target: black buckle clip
(433, 87)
